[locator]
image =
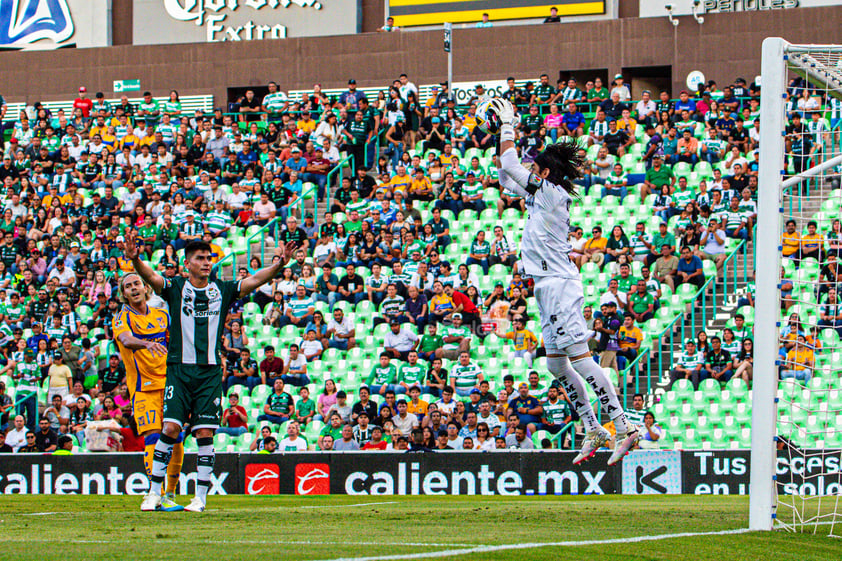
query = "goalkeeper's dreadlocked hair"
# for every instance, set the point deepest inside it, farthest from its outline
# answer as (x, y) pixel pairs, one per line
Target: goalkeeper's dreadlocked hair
(564, 162)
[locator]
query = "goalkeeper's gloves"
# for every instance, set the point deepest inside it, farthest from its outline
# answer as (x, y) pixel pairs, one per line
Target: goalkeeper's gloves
(506, 113)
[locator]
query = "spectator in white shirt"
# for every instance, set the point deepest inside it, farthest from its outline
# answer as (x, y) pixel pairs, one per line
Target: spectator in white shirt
(16, 437)
(398, 342)
(292, 442)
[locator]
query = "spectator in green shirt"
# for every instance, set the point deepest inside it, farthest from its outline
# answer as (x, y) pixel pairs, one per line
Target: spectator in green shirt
(662, 238)
(656, 177)
(429, 343)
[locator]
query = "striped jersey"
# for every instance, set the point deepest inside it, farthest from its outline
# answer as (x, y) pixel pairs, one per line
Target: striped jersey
(275, 102)
(217, 221)
(690, 362)
(556, 412)
(197, 318)
(465, 377)
(733, 219)
(144, 371)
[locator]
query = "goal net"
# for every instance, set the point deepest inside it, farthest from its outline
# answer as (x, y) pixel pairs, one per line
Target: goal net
(797, 391)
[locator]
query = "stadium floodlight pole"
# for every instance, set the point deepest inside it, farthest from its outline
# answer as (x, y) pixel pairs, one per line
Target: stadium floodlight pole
(767, 278)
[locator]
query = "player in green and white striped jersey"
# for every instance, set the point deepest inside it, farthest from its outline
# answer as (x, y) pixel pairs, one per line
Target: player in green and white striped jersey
(640, 242)
(167, 130)
(713, 148)
(687, 365)
(683, 195)
(217, 221)
(275, 102)
(198, 306)
(392, 306)
(735, 221)
(557, 412)
(466, 375)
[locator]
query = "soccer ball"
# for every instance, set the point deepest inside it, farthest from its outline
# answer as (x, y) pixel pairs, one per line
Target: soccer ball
(488, 120)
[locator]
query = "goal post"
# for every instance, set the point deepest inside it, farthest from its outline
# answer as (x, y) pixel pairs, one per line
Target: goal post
(797, 389)
(769, 211)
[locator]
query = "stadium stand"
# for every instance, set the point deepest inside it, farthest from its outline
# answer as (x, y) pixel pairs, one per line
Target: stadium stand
(408, 244)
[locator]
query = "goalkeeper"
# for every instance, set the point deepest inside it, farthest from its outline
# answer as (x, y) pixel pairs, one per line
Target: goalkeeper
(548, 191)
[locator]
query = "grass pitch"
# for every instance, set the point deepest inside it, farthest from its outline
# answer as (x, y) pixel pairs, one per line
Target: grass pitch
(327, 528)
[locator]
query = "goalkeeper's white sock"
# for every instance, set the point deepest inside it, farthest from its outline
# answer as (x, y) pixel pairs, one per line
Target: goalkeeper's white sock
(593, 375)
(204, 466)
(560, 368)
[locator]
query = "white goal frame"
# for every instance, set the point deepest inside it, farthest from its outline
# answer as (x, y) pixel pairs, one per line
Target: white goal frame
(777, 57)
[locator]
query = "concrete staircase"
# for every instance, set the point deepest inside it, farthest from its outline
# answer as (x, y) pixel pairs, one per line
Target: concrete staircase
(712, 314)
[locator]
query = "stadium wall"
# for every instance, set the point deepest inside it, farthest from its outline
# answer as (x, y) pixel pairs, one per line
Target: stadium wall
(725, 46)
(701, 472)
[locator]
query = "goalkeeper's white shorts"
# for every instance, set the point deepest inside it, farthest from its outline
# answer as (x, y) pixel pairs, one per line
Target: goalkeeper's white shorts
(560, 303)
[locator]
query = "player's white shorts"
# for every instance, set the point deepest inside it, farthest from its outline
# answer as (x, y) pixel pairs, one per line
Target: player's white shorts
(560, 303)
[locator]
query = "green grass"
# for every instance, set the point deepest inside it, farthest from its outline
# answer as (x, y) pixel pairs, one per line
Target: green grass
(315, 528)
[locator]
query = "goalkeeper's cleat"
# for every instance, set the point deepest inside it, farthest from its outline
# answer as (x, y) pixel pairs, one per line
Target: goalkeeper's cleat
(594, 440)
(196, 505)
(168, 503)
(151, 502)
(623, 445)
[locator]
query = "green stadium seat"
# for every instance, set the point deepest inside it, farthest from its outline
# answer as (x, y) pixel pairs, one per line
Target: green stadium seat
(238, 389)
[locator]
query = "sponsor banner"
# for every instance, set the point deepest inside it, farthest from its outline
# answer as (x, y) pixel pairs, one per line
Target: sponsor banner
(727, 472)
(452, 473)
(652, 472)
(657, 8)
(702, 472)
(408, 13)
(103, 474)
(464, 91)
(50, 24)
(210, 21)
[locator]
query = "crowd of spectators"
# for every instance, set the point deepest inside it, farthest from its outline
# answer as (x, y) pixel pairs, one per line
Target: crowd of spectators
(75, 183)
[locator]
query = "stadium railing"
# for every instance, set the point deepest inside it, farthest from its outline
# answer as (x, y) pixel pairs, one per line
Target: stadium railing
(189, 105)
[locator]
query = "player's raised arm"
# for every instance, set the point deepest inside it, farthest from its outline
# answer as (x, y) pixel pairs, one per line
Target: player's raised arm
(513, 176)
(264, 275)
(142, 268)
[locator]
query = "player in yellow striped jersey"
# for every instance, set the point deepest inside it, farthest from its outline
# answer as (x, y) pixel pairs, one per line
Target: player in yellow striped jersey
(141, 335)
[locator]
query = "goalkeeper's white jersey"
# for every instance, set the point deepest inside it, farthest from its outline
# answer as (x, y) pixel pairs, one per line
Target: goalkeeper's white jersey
(545, 247)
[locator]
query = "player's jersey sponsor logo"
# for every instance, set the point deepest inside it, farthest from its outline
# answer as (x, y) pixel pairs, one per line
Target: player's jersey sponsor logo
(312, 479)
(263, 479)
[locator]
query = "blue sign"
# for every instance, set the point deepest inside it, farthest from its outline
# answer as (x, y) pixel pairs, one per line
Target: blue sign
(24, 22)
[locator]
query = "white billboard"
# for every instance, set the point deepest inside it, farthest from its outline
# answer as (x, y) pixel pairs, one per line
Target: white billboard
(212, 21)
(658, 8)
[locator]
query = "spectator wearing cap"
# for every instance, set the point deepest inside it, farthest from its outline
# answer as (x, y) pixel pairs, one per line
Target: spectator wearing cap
(621, 88)
(113, 376)
(62, 273)
(399, 341)
(83, 102)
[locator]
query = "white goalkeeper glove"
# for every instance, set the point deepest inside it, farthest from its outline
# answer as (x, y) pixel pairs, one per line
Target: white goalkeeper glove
(506, 113)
